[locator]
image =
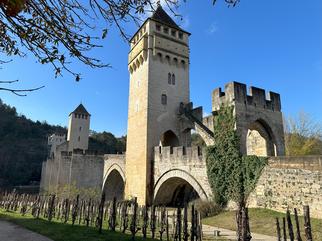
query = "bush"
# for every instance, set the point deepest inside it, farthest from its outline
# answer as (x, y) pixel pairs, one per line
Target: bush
(207, 208)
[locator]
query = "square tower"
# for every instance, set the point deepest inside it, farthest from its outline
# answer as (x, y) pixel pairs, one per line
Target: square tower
(78, 129)
(159, 82)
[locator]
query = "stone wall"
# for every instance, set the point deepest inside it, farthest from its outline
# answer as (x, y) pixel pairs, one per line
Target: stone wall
(84, 169)
(186, 163)
(290, 182)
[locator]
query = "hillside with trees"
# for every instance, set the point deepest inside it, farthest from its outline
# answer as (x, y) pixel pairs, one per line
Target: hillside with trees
(23, 146)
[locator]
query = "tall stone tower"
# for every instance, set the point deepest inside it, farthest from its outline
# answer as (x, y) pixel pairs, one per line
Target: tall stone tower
(159, 82)
(78, 129)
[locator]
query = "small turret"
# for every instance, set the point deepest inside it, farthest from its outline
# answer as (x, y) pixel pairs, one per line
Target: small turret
(78, 129)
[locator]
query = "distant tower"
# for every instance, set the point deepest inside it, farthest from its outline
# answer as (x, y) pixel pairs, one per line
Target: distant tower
(159, 82)
(78, 129)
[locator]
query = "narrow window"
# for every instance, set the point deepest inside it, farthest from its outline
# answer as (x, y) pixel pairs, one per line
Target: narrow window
(75, 115)
(173, 79)
(164, 99)
(173, 33)
(82, 116)
(166, 30)
(80, 128)
(79, 139)
(158, 27)
(86, 117)
(169, 78)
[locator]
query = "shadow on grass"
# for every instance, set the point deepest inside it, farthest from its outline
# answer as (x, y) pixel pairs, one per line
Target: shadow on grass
(64, 232)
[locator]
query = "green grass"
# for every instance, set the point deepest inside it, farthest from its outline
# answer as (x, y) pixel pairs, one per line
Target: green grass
(262, 221)
(58, 231)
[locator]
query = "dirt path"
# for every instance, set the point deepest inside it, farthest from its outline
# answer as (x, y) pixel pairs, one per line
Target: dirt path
(13, 232)
(231, 235)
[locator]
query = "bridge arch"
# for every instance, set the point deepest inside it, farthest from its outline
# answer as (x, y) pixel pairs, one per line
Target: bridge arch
(176, 187)
(114, 183)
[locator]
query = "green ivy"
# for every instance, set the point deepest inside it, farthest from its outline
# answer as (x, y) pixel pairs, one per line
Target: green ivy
(231, 175)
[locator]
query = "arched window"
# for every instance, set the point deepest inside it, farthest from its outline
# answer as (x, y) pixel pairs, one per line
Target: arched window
(167, 58)
(169, 78)
(160, 56)
(173, 79)
(164, 99)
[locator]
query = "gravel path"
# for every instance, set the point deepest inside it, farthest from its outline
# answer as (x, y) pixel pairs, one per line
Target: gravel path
(13, 232)
(231, 235)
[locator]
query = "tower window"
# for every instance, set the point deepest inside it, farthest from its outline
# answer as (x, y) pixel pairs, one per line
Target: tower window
(180, 35)
(164, 99)
(173, 33)
(82, 116)
(75, 115)
(79, 139)
(173, 79)
(166, 30)
(158, 27)
(86, 117)
(80, 128)
(169, 78)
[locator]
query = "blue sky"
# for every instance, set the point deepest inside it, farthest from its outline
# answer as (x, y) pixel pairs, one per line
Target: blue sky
(275, 45)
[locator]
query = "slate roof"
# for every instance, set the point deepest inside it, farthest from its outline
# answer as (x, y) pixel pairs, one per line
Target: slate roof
(81, 110)
(161, 16)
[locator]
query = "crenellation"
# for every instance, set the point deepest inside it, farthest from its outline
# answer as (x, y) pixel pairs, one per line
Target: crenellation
(179, 153)
(237, 93)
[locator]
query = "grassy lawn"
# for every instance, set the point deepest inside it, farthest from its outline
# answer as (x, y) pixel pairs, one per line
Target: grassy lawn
(262, 221)
(58, 231)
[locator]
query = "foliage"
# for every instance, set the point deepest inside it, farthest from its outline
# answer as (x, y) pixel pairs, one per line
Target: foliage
(303, 136)
(106, 142)
(231, 175)
(71, 192)
(207, 208)
(58, 31)
(23, 146)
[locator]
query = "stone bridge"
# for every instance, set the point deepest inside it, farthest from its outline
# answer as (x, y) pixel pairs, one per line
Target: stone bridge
(179, 175)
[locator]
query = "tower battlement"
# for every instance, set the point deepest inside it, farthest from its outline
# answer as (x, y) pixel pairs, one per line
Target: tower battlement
(178, 154)
(237, 92)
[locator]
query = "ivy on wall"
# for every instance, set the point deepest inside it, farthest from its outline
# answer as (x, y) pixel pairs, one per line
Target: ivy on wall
(231, 175)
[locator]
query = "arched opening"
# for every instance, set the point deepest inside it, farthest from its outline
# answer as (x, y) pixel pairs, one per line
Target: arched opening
(114, 186)
(175, 192)
(259, 140)
(168, 138)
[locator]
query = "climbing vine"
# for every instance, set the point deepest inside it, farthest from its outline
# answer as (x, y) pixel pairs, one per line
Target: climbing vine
(231, 175)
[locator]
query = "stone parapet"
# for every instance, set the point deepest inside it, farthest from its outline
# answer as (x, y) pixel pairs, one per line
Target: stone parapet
(237, 92)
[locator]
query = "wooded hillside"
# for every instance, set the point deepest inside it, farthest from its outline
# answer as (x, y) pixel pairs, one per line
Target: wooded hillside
(23, 146)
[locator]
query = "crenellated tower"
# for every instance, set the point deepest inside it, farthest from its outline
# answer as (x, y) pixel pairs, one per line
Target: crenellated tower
(159, 81)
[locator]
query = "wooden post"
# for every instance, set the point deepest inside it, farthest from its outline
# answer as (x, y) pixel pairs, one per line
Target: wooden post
(278, 230)
(193, 228)
(145, 221)
(162, 222)
(152, 222)
(133, 228)
(298, 232)
(290, 225)
(112, 218)
(101, 213)
(185, 223)
(307, 223)
(75, 209)
(51, 207)
(284, 230)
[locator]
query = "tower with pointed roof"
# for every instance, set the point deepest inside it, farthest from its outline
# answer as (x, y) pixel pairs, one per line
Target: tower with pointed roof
(159, 81)
(78, 129)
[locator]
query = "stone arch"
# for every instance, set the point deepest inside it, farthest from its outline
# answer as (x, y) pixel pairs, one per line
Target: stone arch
(169, 138)
(114, 183)
(260, 139)
(176, 187)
